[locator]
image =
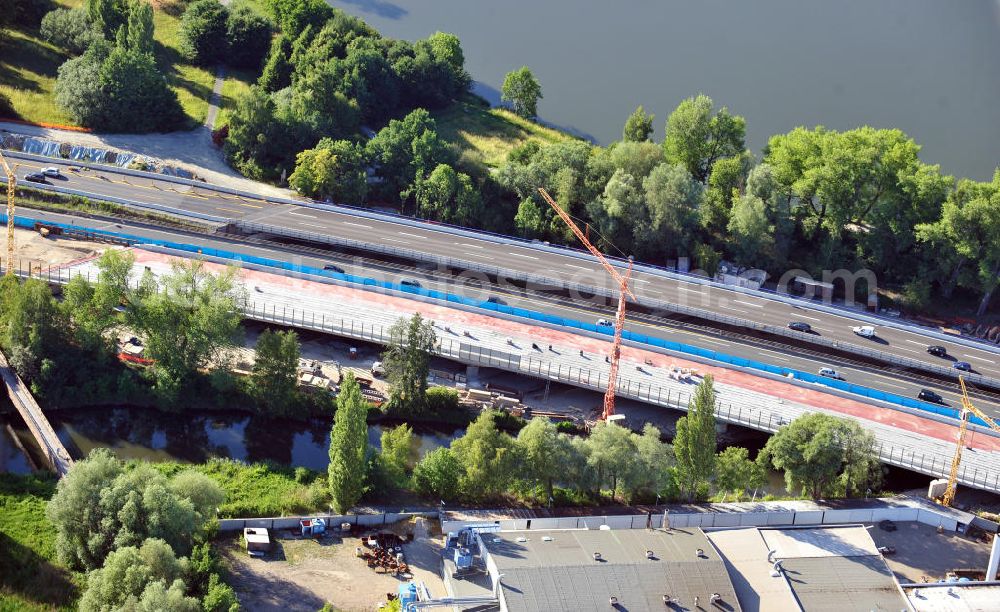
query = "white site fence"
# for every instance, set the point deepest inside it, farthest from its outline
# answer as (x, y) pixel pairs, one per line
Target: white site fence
(333, 521)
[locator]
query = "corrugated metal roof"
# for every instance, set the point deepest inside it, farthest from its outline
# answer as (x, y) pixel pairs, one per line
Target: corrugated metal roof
(842, 584)
(556, 570)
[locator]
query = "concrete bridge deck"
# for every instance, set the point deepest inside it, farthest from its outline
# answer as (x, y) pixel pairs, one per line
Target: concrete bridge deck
(55, 453)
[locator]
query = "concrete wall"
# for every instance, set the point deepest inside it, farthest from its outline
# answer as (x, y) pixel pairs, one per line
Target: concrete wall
(332, 521)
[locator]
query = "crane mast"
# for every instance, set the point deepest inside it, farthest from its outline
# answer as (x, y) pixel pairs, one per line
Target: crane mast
(968, 409)
(623, 291)
(11, 186)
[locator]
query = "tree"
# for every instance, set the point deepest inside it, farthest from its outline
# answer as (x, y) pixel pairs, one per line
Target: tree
(187, 320)
(612, 453)
(348, 446)
(487, 457)
(334, 170)
(99, 506)
(248, 37)
(672, 197)
(448, 196)
(404, 151)
(252, 144)
(695, 442)
(736, 472)
(438, 474)
(274, 378)
(294, 16)
(399, 454)
(696, 135)
(968, 228)
(31, 326)
(407, 362)
(108, 15)
(521, 89)
(219, 597)
(136, 578)
(820, 454)
(638, 127)
(204, 493)
(277, 72)
(203, 32)
(653, 475)
(543, 452)
(529, 220)
(726, 182)
(140, 27)
(750, 230)
(70, 29)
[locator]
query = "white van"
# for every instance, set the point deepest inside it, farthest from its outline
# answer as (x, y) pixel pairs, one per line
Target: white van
(378, 369)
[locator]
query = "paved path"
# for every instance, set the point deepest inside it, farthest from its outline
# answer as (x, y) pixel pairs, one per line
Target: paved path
(907, 440)
(216, 97)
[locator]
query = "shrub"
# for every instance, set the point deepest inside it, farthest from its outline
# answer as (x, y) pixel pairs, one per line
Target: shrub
(441, 400)
(70, 29)
(248, 36)
(203, 32)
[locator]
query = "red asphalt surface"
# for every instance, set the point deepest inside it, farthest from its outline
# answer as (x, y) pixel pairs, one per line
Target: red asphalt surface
(594, 347)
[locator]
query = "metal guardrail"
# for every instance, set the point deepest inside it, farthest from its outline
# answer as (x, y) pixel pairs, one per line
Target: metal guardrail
(546, 281)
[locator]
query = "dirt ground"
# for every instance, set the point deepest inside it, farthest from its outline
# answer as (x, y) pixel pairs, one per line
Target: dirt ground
(921, 552)
(44, 252)
(305, 574)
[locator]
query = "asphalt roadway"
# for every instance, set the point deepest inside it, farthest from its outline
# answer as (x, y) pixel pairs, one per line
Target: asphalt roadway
(900, 383)
(526, 259)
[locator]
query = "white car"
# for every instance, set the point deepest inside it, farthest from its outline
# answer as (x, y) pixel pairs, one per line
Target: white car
(51, 172)
(865, 331)
(830, 373)
(378, 369)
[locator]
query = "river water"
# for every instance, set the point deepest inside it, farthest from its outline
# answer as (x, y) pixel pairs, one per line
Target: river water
(928, 67)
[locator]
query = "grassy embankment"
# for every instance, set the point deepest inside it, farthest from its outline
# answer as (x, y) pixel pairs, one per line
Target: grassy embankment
(30, 578)
(29, 67)
(482, 136)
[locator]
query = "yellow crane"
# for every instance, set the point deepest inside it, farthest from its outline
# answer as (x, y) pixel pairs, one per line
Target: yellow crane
(967, 411)
(11, 186)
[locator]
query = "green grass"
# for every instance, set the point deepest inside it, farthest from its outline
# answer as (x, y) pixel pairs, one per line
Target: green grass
(482, 137)
(30, 579)
(193, 84)
(28, 70)
(237, 83)
(261, 490)
(29, 66)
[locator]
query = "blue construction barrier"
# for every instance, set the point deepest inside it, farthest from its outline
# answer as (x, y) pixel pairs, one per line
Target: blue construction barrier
(526, 314)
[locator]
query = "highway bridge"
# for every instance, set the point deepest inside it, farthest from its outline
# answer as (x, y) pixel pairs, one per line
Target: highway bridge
(890, 380)
(897, 342)
(914, 439)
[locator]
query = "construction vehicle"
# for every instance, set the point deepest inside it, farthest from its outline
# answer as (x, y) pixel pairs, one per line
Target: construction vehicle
(11, 187)
(623, 290)
(967, 411)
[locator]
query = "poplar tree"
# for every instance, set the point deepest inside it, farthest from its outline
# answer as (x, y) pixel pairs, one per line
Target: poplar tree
(348, 446)
(695, 442)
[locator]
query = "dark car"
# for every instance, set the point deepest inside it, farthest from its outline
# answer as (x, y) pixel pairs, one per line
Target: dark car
(929, 396)
(409, 282)
(799, 326)
(937, 350)
(887, 525)
(333, 268)
(495, 300)
(965, 366)
(35, 177)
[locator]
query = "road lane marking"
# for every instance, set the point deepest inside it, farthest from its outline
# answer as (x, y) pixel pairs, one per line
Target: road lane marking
(236, 212)
(410, 235)
(298, 214)
(319, 225)
(688, 289)
(908, 350)
(473, 246)
(801, 316)
(581, 267)
(524, 256)
(981, 359)
(357, 224)
(776, 355)
(750, 304)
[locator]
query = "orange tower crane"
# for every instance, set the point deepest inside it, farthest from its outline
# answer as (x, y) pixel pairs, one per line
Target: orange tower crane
(967, 411)
(623, 290)
(11, 186)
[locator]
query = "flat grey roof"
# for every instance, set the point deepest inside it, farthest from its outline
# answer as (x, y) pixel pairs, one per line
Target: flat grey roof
(556, 570)
(840, 584)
